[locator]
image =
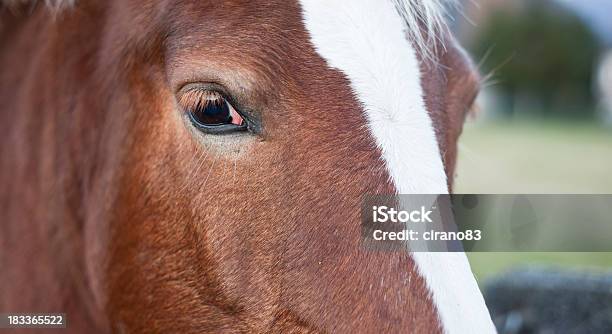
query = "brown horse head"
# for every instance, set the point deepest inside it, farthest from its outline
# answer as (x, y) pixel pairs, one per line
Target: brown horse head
(199, 166)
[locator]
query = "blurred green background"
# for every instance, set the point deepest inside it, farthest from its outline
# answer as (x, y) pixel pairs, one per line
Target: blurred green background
(544, 124)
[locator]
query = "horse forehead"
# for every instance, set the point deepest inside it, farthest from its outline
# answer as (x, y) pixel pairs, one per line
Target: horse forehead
(367, 41)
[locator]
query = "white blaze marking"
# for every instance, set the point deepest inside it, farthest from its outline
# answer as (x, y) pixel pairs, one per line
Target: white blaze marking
(365, 40)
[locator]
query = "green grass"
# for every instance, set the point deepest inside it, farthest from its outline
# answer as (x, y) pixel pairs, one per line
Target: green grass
(535, 158)
(509, 158)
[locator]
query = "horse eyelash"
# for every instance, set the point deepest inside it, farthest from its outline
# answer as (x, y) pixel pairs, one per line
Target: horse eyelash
(195, 98)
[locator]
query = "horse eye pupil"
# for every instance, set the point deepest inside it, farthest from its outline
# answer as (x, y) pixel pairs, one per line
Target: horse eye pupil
(213, 112)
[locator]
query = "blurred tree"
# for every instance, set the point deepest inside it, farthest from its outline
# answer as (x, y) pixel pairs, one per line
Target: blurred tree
(543, 54)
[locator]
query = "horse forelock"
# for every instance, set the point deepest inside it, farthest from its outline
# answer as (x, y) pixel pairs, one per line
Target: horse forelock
(425, 21)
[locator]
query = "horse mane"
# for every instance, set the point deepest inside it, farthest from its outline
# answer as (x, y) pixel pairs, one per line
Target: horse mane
(425, 21)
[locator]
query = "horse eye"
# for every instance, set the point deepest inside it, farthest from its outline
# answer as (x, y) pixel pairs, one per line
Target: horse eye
(210, 112)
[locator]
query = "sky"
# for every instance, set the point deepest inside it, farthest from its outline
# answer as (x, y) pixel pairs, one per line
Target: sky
(596, 13)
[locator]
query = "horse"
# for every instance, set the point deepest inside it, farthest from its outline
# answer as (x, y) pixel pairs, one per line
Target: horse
(198, 166)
